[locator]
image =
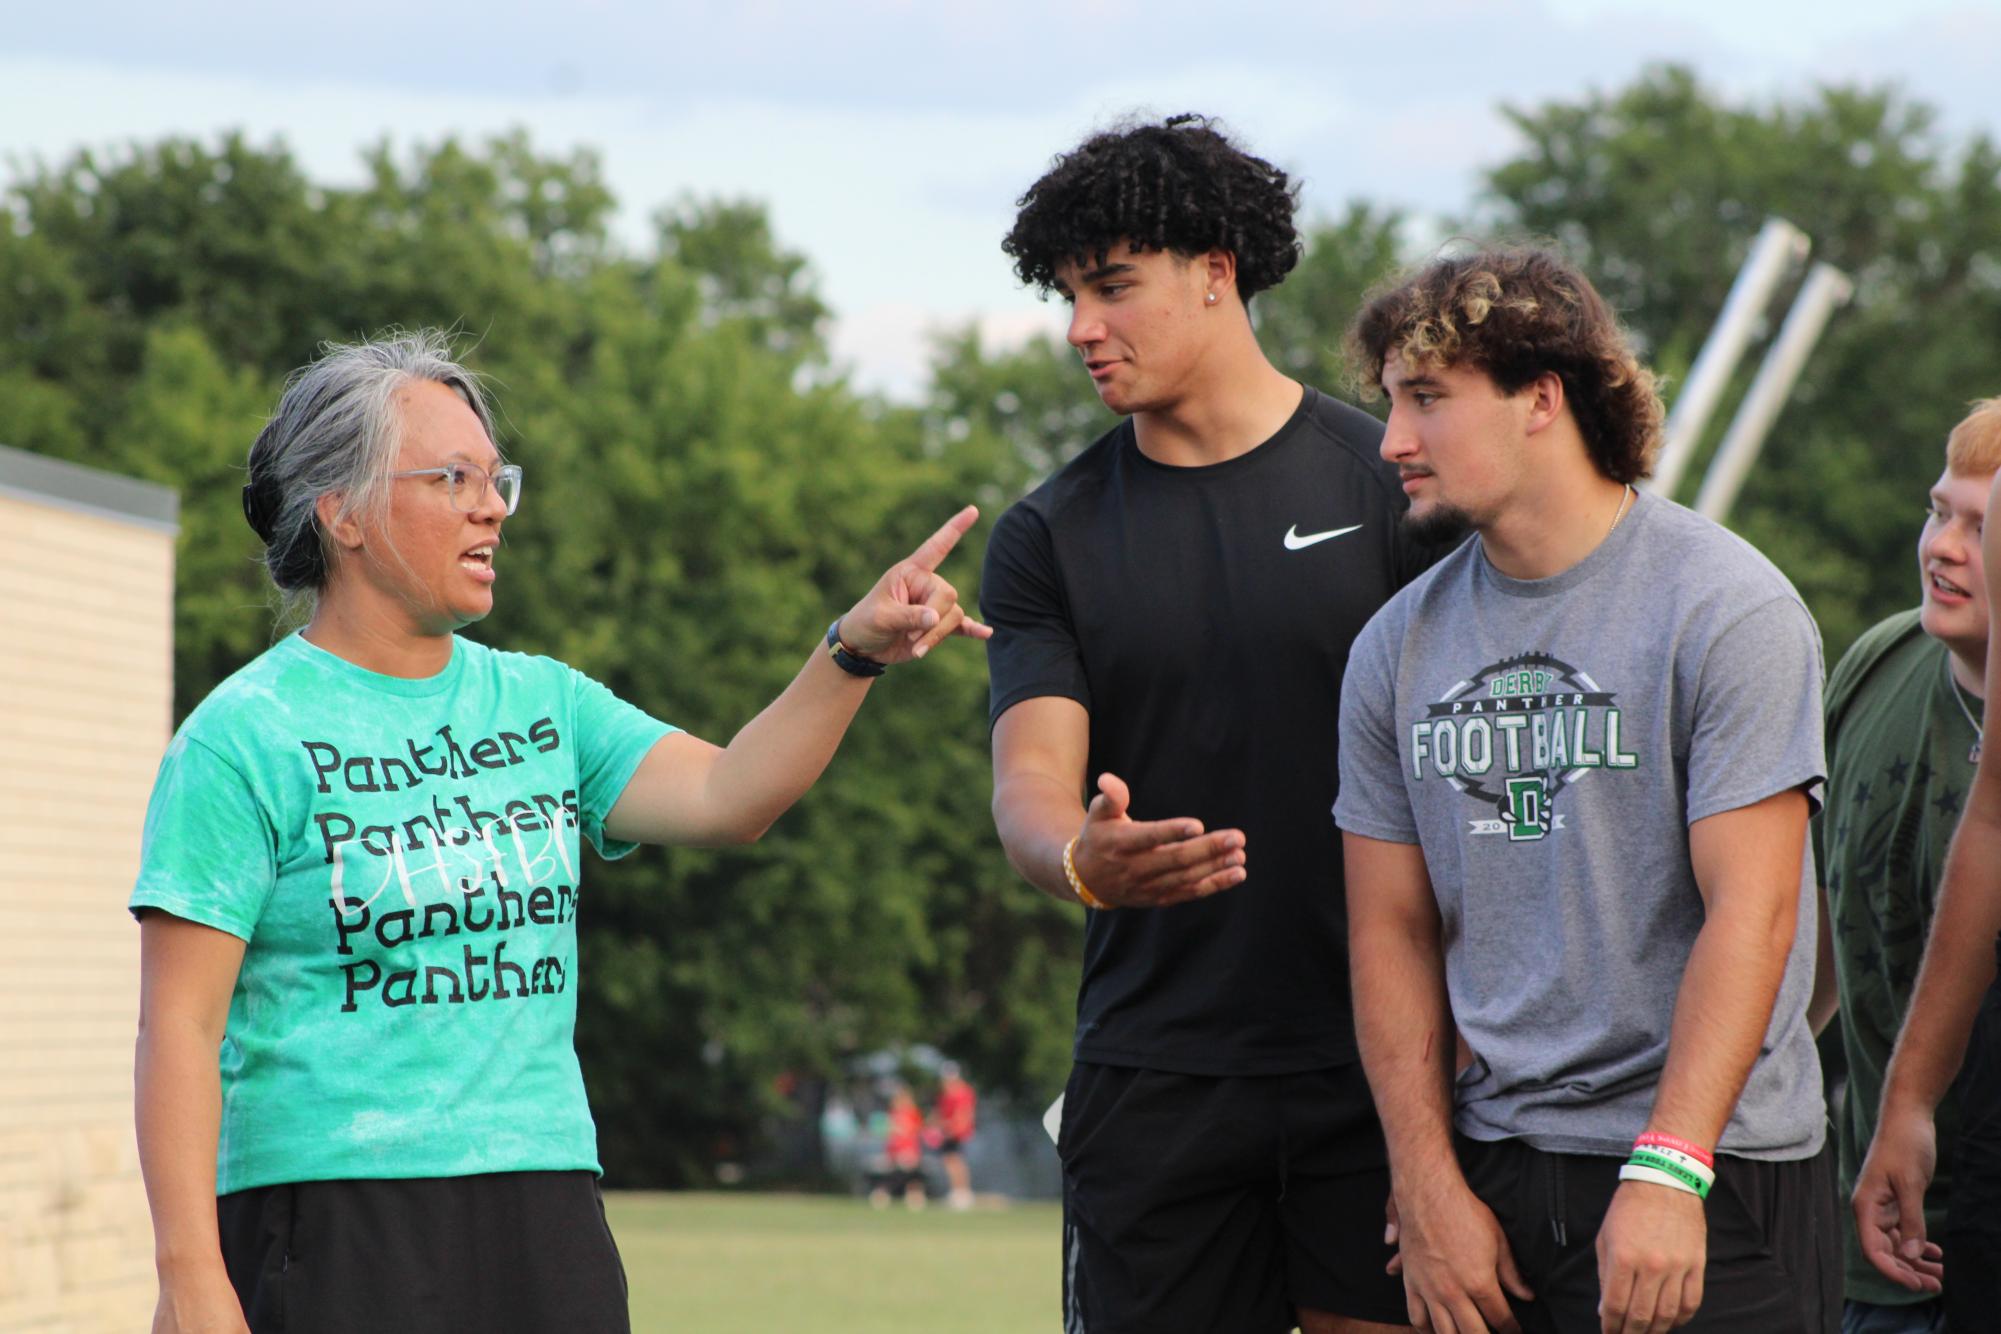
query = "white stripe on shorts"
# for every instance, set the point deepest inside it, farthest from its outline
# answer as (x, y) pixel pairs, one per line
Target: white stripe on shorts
(1073, 1310)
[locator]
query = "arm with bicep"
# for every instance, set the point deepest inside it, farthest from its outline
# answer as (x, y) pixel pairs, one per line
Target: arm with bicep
(186, 975)
(1041, 748)
(1653, 1245)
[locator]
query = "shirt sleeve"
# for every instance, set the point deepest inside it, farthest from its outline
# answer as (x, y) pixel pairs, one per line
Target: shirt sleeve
(209, 851)
(1034, 650)
(1816, 845)
(612, 738)
(1372, 800)
(1842, 684)
(1757, 725)
(1816, 827)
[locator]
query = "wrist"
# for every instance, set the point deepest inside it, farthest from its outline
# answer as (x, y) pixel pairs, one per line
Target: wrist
(1662, 1159)
(1676, 1179)
(1076, 882)
(1901, 1103)
(1429, 1187)
(847, 657)
(1659, 1194)
(183, 1262)
(1701, 1151)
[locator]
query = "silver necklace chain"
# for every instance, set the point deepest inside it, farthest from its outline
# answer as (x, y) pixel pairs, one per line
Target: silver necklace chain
(1959, 698)
(1625, 494)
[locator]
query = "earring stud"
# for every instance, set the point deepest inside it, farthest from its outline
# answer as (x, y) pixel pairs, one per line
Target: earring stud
(1212, 298)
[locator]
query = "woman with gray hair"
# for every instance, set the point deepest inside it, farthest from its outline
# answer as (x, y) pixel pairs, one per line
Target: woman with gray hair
(360, 880)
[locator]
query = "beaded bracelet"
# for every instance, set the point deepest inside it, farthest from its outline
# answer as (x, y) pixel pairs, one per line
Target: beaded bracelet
(1084, 896)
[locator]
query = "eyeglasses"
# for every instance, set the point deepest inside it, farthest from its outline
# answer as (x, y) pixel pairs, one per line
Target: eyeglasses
(467, 483)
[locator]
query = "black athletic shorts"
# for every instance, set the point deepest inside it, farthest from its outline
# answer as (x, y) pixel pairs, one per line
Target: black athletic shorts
(1221, 1204)
(1774, 1239)
(501, 1253)
(1972, 1241)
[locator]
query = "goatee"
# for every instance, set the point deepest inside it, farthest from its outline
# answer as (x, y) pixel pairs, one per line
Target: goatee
(1440, 527)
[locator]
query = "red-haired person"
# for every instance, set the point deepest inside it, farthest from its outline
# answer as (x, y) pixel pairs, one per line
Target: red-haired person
(1953, 1030)
(1904, 712)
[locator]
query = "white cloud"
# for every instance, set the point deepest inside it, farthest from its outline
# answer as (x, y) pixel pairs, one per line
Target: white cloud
(889, 138)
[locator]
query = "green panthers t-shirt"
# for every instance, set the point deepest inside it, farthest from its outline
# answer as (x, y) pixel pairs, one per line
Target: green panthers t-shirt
(1898, 771)
(401, 858)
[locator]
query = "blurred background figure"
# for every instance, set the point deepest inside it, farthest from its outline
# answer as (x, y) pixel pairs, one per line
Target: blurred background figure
(903, 1149)
(956, 1115)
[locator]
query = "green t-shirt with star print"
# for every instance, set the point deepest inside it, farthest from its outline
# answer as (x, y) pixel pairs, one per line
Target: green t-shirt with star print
(1899, 741)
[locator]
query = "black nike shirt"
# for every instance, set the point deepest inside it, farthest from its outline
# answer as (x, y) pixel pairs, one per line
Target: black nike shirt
(1203, 616)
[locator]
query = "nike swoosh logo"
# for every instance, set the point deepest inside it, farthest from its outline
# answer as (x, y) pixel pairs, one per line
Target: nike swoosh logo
(1294, 541)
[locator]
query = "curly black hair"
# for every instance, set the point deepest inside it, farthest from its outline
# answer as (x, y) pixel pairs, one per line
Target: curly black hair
(1179, 185)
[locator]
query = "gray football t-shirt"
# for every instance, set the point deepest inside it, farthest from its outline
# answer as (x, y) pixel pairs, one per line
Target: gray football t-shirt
(1548, 743)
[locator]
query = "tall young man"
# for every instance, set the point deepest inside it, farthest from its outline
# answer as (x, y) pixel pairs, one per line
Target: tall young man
(1948, 1006)
(1576, 765)
(1172, 614)
(1903, 732)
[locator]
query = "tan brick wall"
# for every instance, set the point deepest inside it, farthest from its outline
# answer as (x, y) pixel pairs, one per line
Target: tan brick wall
(86, 699)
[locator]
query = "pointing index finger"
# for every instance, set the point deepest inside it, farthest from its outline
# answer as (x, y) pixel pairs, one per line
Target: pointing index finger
(931, 553)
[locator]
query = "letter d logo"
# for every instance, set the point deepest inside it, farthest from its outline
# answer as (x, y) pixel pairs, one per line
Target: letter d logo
(1527, 815)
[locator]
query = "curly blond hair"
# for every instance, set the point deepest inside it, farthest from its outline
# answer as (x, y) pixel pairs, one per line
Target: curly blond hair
(1517, 313)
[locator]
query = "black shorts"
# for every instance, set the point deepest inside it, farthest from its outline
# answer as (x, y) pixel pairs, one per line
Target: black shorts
(1972, 1241)
(1774, 1241)
(1205, 1204)
(502, 1253)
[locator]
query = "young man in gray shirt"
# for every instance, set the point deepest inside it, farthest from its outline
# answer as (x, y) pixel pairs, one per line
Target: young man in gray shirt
(1577, 762)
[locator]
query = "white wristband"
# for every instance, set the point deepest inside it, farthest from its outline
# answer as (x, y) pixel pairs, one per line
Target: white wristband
(1639, 1172)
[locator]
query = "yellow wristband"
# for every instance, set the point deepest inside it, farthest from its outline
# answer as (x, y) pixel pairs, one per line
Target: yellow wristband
(1084, 896)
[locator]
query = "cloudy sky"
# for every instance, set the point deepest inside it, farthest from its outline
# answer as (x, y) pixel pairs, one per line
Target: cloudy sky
(890, 137)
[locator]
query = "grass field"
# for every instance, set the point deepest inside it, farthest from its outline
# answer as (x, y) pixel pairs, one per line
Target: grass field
(724, 1263)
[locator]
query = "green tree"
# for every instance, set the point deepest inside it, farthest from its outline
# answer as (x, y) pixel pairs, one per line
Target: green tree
(703, 497)
(1658, 189)
(1016, 415)
(223, 239)
(164, 293)
(183, 401)
(1302, 320)
(746, 277)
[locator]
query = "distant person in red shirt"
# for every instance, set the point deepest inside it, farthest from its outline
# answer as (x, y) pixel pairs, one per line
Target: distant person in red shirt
(903, 1146)
(957, 1104)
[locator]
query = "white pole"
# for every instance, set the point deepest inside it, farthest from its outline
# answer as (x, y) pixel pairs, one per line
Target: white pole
(1826, 288)
(1779, 246)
